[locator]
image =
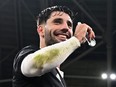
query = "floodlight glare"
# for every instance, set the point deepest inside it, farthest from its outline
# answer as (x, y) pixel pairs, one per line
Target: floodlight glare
(104, 76)
(112, 76)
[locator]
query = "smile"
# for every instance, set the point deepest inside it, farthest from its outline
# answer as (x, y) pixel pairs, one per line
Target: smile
(62, 37)
(67, 35)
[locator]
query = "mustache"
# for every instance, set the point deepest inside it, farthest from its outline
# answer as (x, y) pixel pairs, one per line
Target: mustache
(64, 32)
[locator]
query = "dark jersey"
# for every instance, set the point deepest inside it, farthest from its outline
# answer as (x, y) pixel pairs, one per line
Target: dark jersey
(47, 80)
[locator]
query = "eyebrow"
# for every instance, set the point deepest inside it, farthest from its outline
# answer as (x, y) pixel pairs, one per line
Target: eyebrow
(57, 20)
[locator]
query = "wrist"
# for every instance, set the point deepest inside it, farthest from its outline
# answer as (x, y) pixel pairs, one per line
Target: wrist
(77, 41)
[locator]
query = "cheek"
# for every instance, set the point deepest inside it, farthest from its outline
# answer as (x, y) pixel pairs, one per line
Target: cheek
(49, 33)
(71, 32)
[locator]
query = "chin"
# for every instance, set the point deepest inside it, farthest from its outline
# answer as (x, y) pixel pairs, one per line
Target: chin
(62, 40)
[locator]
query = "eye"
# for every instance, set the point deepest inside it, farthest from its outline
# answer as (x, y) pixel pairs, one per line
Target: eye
(58, 21)
(69, 24)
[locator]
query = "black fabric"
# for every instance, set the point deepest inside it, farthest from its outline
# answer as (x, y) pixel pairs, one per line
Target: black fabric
(47, 80)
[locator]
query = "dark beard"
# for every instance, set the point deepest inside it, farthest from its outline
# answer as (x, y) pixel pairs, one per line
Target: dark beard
(50, 37)
(49, 40)
(62, 32)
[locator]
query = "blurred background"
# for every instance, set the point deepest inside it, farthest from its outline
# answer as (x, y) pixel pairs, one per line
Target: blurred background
(85, 67)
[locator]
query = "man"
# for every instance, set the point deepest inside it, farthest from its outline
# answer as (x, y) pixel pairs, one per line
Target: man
(40, 67)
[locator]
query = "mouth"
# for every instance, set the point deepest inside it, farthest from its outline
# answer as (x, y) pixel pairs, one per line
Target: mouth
(66, 35)
(62, 37)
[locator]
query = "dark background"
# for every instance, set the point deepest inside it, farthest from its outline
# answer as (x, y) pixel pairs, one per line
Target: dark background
(85, 65)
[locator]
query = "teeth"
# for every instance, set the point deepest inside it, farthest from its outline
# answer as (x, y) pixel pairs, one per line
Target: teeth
(62, 35)
(65, 35)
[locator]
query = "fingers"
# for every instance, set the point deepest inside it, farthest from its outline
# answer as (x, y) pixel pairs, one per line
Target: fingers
(84, 31)
(90, 34)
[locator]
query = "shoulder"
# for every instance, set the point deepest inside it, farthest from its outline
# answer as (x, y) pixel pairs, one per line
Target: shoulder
(23, 53)
(27, 50)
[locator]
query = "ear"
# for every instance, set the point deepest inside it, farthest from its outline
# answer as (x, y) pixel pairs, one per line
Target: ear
(40, 30)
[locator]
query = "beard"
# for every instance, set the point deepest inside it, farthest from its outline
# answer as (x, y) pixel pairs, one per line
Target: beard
(52, 37)
(50, 41)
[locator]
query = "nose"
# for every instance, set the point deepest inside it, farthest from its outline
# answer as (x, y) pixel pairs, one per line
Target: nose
(67, 32)
(64, 30)
(65, 27)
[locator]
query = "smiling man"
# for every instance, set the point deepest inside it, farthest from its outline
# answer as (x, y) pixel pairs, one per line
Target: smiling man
(40, 67)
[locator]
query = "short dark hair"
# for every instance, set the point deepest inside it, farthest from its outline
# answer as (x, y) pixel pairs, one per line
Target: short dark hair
(45, 14)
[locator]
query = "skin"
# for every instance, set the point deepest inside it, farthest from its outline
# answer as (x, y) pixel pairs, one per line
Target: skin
(58, 28)
(61, 22)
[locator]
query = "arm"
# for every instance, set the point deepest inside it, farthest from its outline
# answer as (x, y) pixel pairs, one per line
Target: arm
(45, 59)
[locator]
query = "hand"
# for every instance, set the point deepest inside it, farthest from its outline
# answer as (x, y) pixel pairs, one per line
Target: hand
(82, 30)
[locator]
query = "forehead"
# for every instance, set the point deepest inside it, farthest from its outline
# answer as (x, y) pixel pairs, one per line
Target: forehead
(60, 14)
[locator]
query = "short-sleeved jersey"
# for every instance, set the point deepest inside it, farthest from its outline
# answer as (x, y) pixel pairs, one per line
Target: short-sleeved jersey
(47, 80)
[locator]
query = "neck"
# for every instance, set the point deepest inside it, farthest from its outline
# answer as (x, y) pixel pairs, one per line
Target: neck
(42, 43)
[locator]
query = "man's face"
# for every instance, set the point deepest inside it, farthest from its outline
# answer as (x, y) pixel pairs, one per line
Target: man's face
(58, 28)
